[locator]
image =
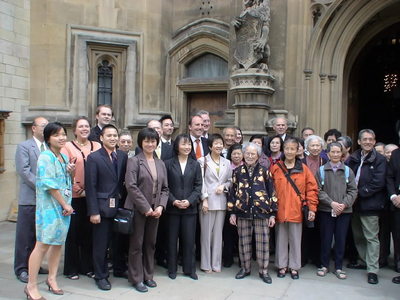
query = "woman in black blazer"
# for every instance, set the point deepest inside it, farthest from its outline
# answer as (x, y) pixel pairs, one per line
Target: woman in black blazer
(185, 182)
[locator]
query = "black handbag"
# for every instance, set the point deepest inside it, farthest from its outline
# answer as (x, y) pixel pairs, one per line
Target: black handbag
(123, 221)
(305, 209)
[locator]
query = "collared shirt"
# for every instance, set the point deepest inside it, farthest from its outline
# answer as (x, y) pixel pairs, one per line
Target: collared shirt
(109, 153)
(359, 168)
(335, 167)
(166, 141)
(205, 136)
(195, 144)
(158, 150)
(224, 152)
(39, 144)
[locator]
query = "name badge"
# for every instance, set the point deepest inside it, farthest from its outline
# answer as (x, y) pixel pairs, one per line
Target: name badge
(67, 192)
(112, 202)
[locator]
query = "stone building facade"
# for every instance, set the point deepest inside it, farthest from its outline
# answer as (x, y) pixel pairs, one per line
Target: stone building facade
(176, 57)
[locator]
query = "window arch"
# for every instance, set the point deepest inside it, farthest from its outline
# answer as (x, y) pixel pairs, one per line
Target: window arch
(104, 83)
(207, 65)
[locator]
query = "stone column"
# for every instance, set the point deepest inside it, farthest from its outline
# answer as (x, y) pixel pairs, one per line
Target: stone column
(252, 90)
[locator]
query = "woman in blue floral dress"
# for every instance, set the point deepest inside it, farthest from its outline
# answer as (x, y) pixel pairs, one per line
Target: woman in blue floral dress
(53, 208)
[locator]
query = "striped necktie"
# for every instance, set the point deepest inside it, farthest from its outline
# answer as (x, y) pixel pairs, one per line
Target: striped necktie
(115, 161)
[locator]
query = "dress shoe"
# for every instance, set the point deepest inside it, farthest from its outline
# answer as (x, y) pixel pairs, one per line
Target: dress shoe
(43, 271)
(356, 266)
(242, 274)
(140, 287)
(266, 278)
(103, 284)
(162, 263)
(372, 278)
(172, 275)
(396, 280)
(294, 274)
(28, 295)
(55, 292)
(150, 283)
(192, 275)
(23, 277)
(122, 275)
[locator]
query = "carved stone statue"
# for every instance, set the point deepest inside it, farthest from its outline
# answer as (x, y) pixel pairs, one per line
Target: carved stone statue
(252, 30)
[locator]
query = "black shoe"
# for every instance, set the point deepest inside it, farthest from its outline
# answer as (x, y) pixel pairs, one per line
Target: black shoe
(228, 263)
(150, 283)
(372, 278)
(122, 275)
(396, 280)
(397, 267)
(266, 278)
(163, 263)
(356, 266)
(172, 275)
(192, 275)
(23, 277)
(242, 274)
(103, 284)
(43, 271)
(282, 274)
(140, 287)
(294, 275)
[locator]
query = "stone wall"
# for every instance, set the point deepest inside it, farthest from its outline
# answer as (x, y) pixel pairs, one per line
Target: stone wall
(14, 88)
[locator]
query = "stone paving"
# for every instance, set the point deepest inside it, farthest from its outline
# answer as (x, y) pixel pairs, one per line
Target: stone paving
(209, 286)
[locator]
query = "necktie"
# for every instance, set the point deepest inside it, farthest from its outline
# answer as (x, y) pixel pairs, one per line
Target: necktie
(114, 161)
(158, 151)
(42, 147)
(198, 149)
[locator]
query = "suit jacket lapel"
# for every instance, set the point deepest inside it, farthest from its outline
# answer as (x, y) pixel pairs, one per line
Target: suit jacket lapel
(177, 166)
(119, 158)
(213, 166)
(189, 167)
(144, 163)
(36, 150)
(108, 162)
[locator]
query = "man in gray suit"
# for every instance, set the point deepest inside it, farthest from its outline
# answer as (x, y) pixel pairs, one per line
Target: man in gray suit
(26, 158)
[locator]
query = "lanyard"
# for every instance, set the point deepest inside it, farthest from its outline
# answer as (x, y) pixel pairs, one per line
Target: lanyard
(83, 154)
(62, 168)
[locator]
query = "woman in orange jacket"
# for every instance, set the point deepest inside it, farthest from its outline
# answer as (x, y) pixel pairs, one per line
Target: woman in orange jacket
(289, 217)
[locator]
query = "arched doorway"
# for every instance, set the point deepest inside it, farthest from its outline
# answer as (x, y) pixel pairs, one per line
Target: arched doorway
(374, 89)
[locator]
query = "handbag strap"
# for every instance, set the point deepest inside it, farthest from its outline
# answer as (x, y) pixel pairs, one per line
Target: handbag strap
(289, 179)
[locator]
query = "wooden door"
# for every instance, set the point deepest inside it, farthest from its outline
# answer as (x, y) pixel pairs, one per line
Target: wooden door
(213, 102)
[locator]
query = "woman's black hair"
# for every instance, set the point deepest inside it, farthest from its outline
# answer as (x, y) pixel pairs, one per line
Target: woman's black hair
(51, 129)
(233, 148)
(334, 132)
(213, 138)
(147, 133)
(258, 136)
(185, 138)
(75, 123)
(270, 141)
(301, 141)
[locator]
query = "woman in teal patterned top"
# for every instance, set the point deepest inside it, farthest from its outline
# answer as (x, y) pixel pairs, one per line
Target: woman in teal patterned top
(53, 208)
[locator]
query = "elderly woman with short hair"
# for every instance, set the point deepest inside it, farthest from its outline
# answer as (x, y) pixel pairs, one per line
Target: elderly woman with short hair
(347, 143)
(314, 145)
(252, 205)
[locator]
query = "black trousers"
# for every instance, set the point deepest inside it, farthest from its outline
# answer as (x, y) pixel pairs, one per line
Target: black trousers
(351, 250)
(396, 238)
(231, 239)
(162, 239)
(311, 243)
(25, 237)
(79, 243)
(120, 244)
(101, 239)
(182, 228)
(386, 228)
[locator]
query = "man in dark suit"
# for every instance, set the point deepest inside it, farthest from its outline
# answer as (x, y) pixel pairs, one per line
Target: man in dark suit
(26, 158)
(104, 115)
(392, 185)
(104, 179)
(167, 129)
(200, 148)
(280, 127)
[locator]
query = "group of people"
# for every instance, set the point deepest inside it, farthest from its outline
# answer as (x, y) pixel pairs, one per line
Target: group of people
(201, 196)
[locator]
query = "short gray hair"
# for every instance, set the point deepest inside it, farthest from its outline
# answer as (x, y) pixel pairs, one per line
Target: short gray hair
(311, 138)
(250, 144)
(370, 131)
(223, 131)
(391, 145)
(202, 112)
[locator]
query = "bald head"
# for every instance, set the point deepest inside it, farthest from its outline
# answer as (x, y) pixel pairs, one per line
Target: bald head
(280, 126)
(156, 125)
(38, 126)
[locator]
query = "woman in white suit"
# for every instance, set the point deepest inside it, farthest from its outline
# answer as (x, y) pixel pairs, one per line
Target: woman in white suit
(217, 175)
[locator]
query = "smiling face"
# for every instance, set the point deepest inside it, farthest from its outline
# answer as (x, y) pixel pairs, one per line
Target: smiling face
(330, 139)
(335, 154)
(238, 136)
(125, 143)
(104, 116)
(251, 155)
(156, 125)
(184, 147)
(196, 126)
(167, 128)
(82, 129)
(149, 145)
(217, 146)
(280, 126)
(366, 142)
(109, 138)
(206, 123)
(37, 128)
(57, 140)
(314, 147)
(275, 145)
(229, 137)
